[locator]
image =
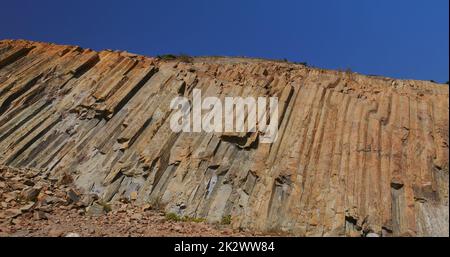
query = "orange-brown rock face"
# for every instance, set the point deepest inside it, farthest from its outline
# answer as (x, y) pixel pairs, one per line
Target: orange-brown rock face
(355, 155)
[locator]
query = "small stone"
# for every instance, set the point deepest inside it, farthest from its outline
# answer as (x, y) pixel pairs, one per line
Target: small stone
(28, 182)
(17, 186)
(39, 215)
(27, 207)
(63, 207)
(136, 216)
(95, 209)
(8, 174)
(44, 208)
(71, 234)
(87, 200)
(51, 200)
(73, 196)
(32, 173)
(133, 195)
(177, 228)
(146, 207)
(371, 234)
(20, 233)
(30, 194)
(12, 213)
(55, 232)
(227, 231)
(123, 199)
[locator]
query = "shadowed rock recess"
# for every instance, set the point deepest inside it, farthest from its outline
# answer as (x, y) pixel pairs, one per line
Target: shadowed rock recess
(355, 155)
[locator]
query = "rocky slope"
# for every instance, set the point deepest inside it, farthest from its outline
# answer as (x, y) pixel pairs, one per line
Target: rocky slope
(356, 155)
(33, 205)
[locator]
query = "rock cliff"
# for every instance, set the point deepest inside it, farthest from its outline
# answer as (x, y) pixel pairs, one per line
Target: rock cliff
(356, 155)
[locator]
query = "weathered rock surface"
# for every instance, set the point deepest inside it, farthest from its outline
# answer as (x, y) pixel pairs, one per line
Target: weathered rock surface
(355, 155)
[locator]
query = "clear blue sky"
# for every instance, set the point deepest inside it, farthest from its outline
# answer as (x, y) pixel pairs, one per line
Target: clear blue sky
(396, 38)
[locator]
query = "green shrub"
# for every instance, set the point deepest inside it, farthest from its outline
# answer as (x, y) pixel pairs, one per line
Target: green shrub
(173, 217)
(176, 218)
(181, 57)
(226, 220)
(192, 219)
(167, 57)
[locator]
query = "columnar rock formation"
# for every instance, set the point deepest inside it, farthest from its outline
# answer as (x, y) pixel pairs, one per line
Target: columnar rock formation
(355, 154)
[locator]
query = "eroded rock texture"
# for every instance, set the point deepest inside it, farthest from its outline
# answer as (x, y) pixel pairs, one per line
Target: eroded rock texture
(355, 154)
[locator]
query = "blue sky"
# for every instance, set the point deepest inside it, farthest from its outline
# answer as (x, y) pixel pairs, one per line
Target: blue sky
(395, 38)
